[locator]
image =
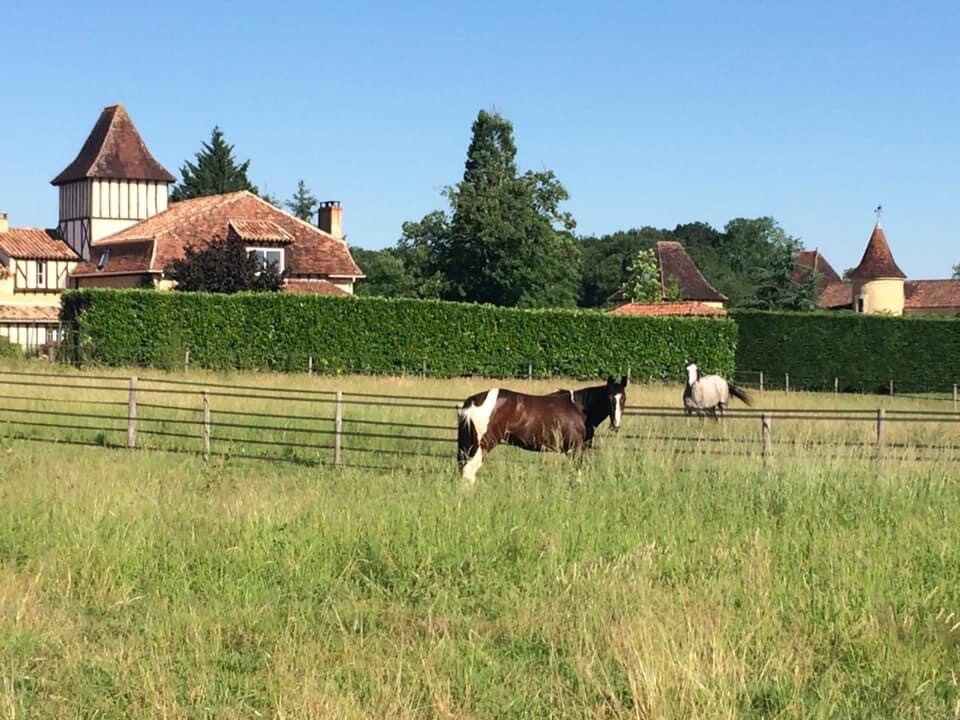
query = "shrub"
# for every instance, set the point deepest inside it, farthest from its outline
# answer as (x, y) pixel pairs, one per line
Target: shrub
(280, 332)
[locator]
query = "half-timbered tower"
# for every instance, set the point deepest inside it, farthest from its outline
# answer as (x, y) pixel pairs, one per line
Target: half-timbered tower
(113, 183)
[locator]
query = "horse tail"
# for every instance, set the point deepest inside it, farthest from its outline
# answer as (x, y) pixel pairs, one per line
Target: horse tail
(739, 393)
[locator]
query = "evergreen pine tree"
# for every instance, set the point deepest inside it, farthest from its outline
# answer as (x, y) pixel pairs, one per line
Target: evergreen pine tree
(214, 172)
(302, 204)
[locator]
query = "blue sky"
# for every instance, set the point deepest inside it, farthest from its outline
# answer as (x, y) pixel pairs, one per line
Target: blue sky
(649, 113)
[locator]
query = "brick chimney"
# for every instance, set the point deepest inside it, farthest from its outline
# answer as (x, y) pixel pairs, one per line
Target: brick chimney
(4, 222)
(330, 218)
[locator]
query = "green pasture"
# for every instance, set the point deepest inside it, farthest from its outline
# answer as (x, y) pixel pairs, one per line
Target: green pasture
(676, 575)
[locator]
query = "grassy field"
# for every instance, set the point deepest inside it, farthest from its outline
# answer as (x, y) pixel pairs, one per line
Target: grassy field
(665, 581)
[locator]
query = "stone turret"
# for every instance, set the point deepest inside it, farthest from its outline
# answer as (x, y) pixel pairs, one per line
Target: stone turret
(878, 282)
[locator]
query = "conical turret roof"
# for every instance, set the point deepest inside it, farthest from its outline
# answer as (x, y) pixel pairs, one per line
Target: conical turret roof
(877, 261)
(114, 150)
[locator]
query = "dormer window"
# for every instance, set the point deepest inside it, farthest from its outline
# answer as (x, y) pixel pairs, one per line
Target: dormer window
(268, 256)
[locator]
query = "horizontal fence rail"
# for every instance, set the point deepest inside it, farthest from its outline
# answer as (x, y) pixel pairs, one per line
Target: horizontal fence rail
(330, 428)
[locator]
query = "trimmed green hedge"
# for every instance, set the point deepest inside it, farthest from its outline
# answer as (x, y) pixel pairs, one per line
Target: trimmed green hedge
(864, 352)
(280, 332)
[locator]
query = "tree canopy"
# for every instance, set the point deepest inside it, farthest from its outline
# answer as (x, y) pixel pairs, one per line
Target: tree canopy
(213, 172)
(956, 271)
(505, 239)
(224, 266)
(752, 261)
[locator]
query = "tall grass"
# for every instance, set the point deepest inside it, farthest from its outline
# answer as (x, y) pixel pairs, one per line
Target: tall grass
(661, 582)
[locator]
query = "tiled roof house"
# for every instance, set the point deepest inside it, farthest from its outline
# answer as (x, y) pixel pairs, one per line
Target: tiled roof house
(677, 272)
(117, 229)
(878, 285)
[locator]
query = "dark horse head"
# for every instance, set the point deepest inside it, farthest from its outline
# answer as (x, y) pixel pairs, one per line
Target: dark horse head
(601, 402)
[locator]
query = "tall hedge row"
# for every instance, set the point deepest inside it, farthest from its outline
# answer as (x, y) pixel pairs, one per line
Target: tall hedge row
(280, 332)
(863, 352)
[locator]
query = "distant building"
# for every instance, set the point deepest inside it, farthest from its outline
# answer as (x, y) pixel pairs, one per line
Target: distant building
(684, 289)
(116, 228)
(878, 285)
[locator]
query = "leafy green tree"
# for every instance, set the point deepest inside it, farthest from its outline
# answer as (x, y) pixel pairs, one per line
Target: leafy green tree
(956, 271)
(643, 280)
(224, 266)
(506, 240)
(214, 171)
(303, 204)
(385, 273)
(422, 249)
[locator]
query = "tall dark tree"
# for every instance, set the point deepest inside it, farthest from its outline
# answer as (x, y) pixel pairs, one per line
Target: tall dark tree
(214, 171)
(510, 244)
(224, 266)
(303, 204)
(506, 241)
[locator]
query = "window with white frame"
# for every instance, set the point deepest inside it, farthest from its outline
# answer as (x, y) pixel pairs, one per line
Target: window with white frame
(268, 256)
(41, 274)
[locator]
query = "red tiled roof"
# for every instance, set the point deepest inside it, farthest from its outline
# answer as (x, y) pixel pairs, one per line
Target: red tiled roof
(313, 287)
(812, 259)
(877, 261)
(30, 313)
(35, 244)
(836, 295)
(120, 259)
(199, 221)
(259, 231)
(114, 150)
(919, 294)
(675, 264)
(667, 308)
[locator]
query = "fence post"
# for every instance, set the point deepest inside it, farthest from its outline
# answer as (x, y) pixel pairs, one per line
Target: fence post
(206, 426)
(891, 386)
(880, 429)
(529, 371)
(337, 429)
(310, 365)
(132, 414)
(786, 382)
(186, 360)
(628, 374)
(761, 381)
(836, 385)
(954, 397)
(765, 435)
(423, 371)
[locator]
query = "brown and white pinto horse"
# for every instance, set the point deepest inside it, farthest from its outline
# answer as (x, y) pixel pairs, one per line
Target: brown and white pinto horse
(563, 421)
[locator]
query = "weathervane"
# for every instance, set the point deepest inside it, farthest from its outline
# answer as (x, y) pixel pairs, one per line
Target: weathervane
(878, 211)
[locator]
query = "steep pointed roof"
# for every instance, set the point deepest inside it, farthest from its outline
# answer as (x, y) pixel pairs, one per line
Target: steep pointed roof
(114, 150)
(877, 261)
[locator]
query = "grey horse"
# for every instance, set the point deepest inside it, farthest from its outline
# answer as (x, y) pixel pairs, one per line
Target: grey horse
(708, 393)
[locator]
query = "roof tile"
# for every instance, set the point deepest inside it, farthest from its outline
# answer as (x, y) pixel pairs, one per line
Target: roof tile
(35, 244)
(114, 150)
(668, 309)
(877, 261)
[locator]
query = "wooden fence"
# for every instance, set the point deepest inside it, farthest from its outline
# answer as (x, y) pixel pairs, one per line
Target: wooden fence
(337, 428)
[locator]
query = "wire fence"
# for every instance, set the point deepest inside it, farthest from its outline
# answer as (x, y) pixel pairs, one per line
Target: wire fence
(347, 429)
